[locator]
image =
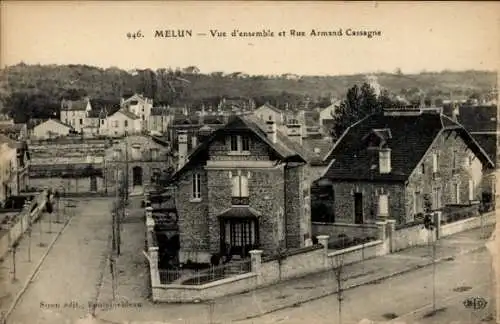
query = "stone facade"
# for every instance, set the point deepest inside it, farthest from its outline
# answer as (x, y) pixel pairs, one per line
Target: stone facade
(278, 195)
(448, 146)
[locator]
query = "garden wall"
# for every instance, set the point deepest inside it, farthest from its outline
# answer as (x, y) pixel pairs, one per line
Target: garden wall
(351, 230)
(13, 231)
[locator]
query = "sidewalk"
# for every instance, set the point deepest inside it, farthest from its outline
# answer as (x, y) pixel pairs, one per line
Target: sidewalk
(133, 280)
(26, 265)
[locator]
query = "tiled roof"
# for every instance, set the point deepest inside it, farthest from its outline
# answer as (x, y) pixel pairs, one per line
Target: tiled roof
(128, 114)
(319, 148)
(412, 135)
(478, 118)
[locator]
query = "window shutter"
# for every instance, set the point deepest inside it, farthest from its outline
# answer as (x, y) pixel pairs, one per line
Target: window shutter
(244, 186)
(434, 163)
(471, 189)
(236, 186)
(383, 205)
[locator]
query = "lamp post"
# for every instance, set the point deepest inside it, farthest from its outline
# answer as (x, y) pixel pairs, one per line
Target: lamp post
(430, 225)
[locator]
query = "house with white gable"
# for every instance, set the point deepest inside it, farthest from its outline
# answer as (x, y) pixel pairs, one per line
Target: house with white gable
(139, 106)
(268, 112)
(326, 115)
(51, 128)
(123, 123)
(74, 112)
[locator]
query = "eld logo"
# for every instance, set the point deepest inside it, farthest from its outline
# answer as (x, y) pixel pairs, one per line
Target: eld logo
(475, 303)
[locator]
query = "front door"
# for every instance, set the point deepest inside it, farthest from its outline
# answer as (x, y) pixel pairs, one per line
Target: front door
(93, 184)
(358, 208)
(137, 176)
(239, 236)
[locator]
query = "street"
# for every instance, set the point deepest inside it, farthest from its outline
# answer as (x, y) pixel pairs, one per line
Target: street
(468, 275)
(69, 277)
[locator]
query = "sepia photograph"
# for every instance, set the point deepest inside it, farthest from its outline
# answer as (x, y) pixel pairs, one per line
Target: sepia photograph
(213, 162)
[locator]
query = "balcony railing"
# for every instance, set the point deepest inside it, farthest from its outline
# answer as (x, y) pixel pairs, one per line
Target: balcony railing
(240, 201)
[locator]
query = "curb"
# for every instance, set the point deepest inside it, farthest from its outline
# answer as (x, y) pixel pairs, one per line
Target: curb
(371, 281)
(37, 268)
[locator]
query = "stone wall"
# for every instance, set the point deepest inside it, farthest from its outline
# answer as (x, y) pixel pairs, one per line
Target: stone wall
(344, 200)
(351, 230)
(69, 185)
(422, 179)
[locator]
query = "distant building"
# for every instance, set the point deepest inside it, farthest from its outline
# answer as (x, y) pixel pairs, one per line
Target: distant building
(139, 106)
(267, 112)
(74, 112)
(123, 123)
(51, 128)
(159, 119)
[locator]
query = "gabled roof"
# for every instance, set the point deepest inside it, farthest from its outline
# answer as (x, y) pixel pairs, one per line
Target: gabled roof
(284, 149)
(269, 106)
(134, 96)
(127, 113)
(60, 123)
(411, 137)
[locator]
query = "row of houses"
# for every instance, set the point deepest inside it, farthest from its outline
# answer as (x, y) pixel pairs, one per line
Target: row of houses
(14, 164)
(251, 183)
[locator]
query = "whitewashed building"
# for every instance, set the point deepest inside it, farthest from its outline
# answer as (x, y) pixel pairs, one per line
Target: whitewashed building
(51, 128)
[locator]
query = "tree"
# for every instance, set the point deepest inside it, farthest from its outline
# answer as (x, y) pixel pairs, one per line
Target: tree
(360, 102)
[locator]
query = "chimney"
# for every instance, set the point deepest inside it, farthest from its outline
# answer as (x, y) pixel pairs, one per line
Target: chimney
(182, 139)
(294, 132)
(271, 130)
(384, 158)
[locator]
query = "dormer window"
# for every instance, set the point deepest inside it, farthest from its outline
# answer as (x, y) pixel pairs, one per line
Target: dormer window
(240, 143)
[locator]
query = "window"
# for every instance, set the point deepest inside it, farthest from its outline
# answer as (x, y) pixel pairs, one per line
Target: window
(422, 168)
(154, 153)
(245, 143)
(125, 123)
(270, 117)
(471, 190)
(383, 205)
(81, 121)
(417, 202)
(435, 162)
(102, 122)
(234, 143)
(239, 192)
(240, 143)
(454, 159)
(196, 186)
(115, 123)
(436, 197)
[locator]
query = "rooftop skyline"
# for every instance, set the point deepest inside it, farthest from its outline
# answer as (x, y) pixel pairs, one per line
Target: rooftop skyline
(429, 37)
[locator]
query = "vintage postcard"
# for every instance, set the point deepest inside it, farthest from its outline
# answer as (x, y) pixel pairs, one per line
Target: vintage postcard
(249, 162)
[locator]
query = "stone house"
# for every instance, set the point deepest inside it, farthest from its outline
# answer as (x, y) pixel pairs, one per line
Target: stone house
(95, 122)
(394, 163)
(74, 112)
(244, 186)
(51, 128)
(145, 157)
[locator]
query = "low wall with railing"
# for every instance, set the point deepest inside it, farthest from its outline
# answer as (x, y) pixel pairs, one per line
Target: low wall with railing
(13, 230)
(258, 271)
(467, 224)
(350, 230)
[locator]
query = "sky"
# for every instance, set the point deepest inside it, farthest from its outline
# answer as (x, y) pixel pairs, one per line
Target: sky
(414, 36)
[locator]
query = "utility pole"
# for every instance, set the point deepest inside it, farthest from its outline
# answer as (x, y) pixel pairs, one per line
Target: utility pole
(430, 225)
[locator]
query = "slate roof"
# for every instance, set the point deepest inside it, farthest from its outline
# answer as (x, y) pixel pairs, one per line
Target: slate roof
(478, 118)
(70, 105)
(323, 145)
(489, 144)
(411, 138)
(284, 148)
